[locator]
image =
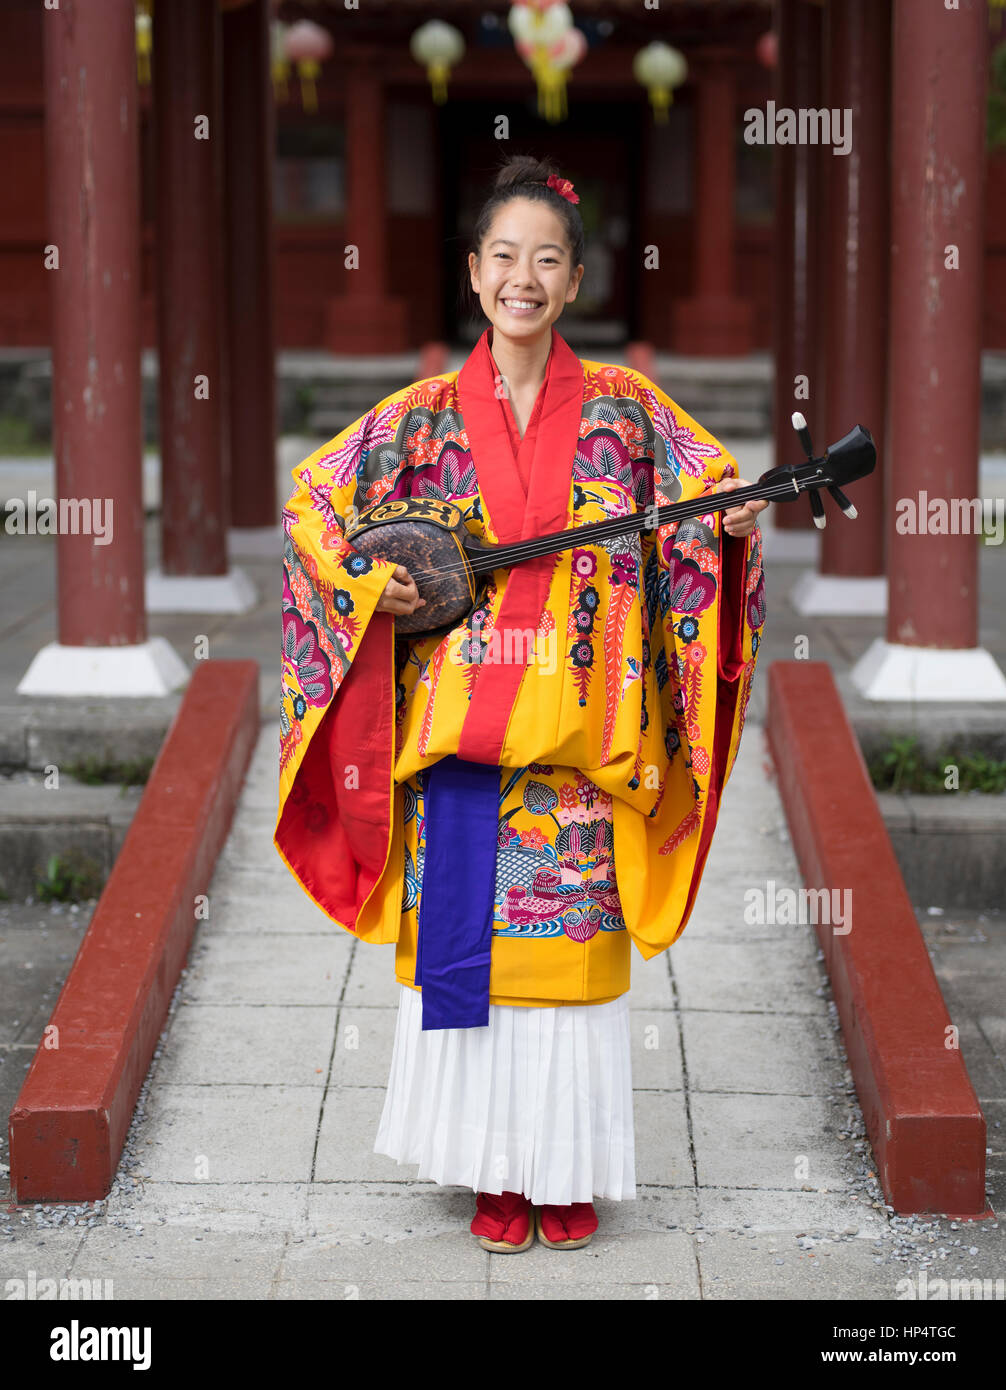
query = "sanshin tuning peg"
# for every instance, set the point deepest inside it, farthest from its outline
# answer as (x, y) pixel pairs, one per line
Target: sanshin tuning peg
(847, 508)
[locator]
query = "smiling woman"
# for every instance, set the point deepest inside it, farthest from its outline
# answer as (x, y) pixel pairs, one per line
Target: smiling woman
(512, 823)
(526, 267)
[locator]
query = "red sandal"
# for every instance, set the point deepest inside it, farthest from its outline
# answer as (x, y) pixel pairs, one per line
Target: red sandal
(503, 1222)
(566, 1228)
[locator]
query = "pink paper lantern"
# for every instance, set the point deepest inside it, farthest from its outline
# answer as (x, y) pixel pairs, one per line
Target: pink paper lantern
(308, 42)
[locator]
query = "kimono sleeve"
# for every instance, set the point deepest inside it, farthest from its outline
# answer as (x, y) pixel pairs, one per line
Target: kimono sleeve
(704, 596)
(335, 822)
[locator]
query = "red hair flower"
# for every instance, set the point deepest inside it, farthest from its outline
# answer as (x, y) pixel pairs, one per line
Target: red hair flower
(563, 187)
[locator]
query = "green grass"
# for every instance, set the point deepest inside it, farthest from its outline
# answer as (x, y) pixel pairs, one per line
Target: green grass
(98, 771)
(905, 767)
(69, 878)
(17, 437)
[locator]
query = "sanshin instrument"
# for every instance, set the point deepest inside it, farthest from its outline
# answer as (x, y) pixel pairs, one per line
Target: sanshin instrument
(452, 567)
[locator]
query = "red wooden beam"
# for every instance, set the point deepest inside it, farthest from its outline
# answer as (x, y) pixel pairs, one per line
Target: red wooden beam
(922, 1115)
(70, 1121)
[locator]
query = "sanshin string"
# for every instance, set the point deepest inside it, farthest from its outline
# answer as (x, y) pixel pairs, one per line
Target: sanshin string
(619, 525)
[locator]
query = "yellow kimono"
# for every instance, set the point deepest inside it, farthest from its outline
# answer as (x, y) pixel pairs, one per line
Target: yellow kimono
(614, 716)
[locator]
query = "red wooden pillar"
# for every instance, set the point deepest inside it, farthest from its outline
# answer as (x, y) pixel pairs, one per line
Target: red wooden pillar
(714, 321)
(796, 324)
(857, 255)
(366, 318)
(92, 177)
(250, 336)
(189, 139)
(938, 158)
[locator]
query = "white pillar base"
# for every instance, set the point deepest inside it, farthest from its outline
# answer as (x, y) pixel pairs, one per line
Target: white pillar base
(232, 592)
(823, 595)
(887, 671)
(255, 542)
(144, 668)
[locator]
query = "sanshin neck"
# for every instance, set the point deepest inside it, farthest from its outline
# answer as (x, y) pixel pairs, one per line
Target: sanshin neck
(648, 519)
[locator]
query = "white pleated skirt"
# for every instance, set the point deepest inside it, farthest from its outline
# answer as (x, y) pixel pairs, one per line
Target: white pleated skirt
(540, 1102)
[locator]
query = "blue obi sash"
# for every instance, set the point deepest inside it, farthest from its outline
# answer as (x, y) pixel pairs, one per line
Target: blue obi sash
(458, 893)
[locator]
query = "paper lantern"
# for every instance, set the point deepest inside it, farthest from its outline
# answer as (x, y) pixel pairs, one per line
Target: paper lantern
(144, 41)
(660, 68)
(570, 50)
(307, 45)
(541, 26)
(437, 47)
(547, 40)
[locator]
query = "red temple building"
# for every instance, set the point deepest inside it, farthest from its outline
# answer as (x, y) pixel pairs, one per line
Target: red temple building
(702, 242)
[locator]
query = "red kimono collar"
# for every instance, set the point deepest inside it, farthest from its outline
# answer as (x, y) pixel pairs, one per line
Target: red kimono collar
(546, 507)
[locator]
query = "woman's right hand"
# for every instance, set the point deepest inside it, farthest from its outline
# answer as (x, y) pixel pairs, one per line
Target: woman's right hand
(401, 594)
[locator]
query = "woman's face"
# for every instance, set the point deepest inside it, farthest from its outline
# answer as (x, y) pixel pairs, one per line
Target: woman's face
(525, 275)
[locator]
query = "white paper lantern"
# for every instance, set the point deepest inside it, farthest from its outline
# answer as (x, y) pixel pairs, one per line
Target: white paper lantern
(660, 68)
(437, 46)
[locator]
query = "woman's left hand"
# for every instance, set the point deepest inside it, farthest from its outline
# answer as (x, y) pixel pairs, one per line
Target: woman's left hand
(740, 521)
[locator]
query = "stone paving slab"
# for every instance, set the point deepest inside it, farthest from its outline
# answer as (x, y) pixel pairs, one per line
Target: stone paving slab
(746, 976)
(763, 1209)
(657, 1063)
(371, 982)
(363, 1044)
(180, 1253)
(37, 948)
(560, 1289)
(768, 1054)
(261, 1045)
(663, 1148)
(746, 1141)
(650, 981)
(229, 1208)
(346, 1138)
(444, 1258)
(637, 1258)
(766, 1267)
(234, 1133)
(284, 969)
(50, 1253)
(249, 900)
(385, 1292)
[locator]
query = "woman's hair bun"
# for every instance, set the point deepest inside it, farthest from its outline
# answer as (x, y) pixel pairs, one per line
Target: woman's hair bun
(522, 168)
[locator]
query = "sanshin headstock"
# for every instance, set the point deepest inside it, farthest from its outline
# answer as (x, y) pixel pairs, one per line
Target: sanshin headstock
(854, 456)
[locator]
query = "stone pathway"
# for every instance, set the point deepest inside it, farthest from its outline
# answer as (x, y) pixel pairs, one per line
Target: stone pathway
(250, 1172)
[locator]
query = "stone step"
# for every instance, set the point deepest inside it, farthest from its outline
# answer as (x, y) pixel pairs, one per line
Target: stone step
(83, 825)
(949, 848)
(324, 394)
